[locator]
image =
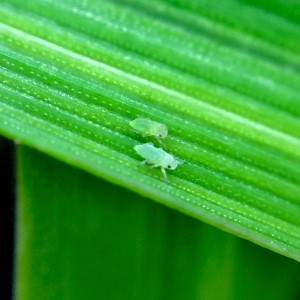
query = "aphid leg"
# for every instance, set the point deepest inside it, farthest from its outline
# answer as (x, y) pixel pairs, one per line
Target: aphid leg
(138, 132)
(143, 162)
(165, 174)
(154, 166)
(135, 131)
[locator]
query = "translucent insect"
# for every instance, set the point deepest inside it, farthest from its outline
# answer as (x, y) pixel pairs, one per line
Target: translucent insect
(147, 127)
(157, 157)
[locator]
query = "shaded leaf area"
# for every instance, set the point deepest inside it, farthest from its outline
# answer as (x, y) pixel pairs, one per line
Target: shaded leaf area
(7, 214)
(79, 236)
(73, 74)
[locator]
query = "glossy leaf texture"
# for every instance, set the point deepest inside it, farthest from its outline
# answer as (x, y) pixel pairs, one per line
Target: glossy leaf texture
(223, 78)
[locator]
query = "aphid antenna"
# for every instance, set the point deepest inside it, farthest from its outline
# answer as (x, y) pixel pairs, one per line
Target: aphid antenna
(181, 161)
(161, 143)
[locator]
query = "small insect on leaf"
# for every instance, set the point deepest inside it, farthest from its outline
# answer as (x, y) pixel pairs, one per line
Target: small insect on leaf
(157, 157)
(147, 127)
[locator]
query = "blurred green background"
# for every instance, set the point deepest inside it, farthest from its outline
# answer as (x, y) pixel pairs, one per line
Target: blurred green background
(79, 237)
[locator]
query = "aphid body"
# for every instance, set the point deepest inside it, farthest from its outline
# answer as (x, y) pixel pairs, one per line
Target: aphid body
(157, 157)
(147, 127)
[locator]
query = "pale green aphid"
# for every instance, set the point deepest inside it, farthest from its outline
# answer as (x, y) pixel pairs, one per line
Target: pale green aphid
(157, 157)
(147, 127)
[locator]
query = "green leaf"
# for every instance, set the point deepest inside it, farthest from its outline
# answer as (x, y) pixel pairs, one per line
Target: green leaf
(73, 74)
(80, 237)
